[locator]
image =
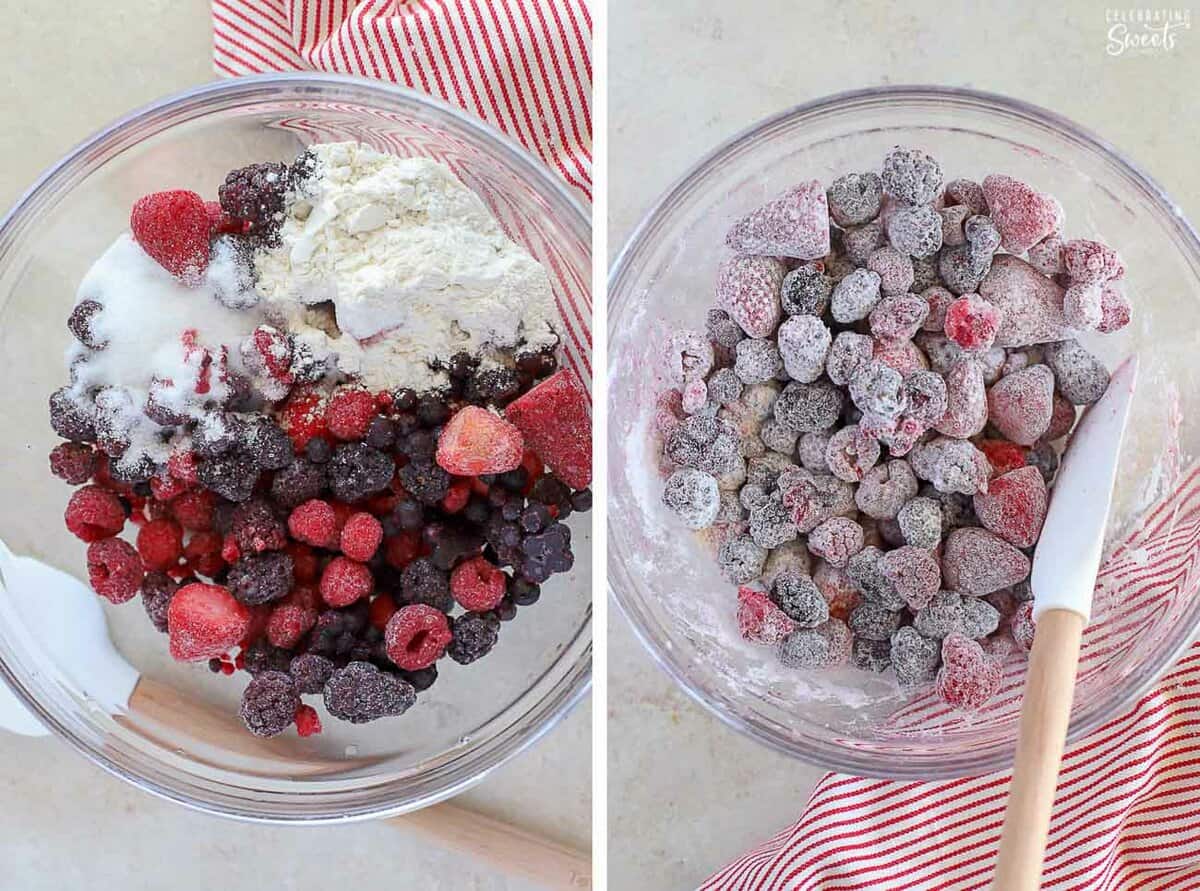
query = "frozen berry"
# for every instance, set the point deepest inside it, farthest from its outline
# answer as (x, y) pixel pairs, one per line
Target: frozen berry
(914, 572)
(1030, 304)
(721, 329)
(871, 655)
(1115, 311)
(160, 544)
(865, 571)
(804, 343)
(1091, 262)
(255, 195)
(1002, 455)
(927, 397)
(938, 299)
(72, 418)
(914, 658)
(288, 624)
(344, 581)
(314, 522)
(921, 522)
(1023, 216)
(358, 471)
(972, 322)
(911, 176)
(805, 291)
(741, 560)
(475, 636)
(477, 585)
(878, 389)
(255, 528)
(952, 465)
(205, 621)
(836, 540)
(968, 677)
(476, 441)
(757, 360)
(308, 722)
(94, 513)
(349, 413)
(1062, 418)
(555, 418)
(885, 489)
(1021, 404)
(689, 356)
(915, 231)
(231, 475)
(424, 582)
(269, 704)
(808, 408)
(848, 355)
(261, 578)
(811, 499)
(748, 289)
(966, 400)
(416, 636)
(870, 621)
(114, 568)
(795, 224)
(1082, 306)
(979, 562)
(1080, 376)
(855, 198)
(858, 243)
(759, 620)
(82, 324)
(360, 692)
(953, 216)
(361, 536)
(73, 462)
(855, 296)
(173, 228)
(898, 317)
(157, 590)
(1014, 506)
(1023, 625)
(851, 453)
(694, 496)
(310, 672)
(895, 270)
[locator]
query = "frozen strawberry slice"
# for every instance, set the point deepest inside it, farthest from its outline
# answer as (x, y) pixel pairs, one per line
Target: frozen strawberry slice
(174, 227)
(555, 417)
(476, 441)
(205, 621)
(1014, 506)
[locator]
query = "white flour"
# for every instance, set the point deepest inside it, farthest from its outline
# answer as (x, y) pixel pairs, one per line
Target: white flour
(414, 264)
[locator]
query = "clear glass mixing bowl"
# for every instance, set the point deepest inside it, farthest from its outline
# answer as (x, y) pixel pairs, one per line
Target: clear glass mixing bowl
(665, 578)
(474, 718)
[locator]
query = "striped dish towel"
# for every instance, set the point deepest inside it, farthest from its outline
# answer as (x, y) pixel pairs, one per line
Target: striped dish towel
(1127, 812)
(523, 66)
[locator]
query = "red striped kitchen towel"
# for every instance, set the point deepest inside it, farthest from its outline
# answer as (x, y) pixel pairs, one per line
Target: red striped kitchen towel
(1127, 813)
(523, 66)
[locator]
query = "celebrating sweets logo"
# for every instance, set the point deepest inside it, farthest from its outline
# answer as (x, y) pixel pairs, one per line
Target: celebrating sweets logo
(1145, 31)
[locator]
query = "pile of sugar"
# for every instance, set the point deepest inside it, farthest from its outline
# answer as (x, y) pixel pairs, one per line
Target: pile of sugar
(411, 259)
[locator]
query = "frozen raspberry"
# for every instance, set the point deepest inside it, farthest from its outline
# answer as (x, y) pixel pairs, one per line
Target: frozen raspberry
(477, 585)
(72, 418)
(760, 621)
(901, 434)
(1091, 262)
(476, 441)
(851, 453)
(160, 544)
(1023, 216)
(805, 291)
(1115, 311)
(741, 560)
(73, 462)
(902, 356)
(1082, 306)
(911, 176)
(855, 296)
(1002, 455)
(694, 496)
(689, 356)
(898, 317)
(855, 198)
(748, 289)
(288, 624)
(360, 692)
(966, 400)
(885, 489)
(979, 562)
(848, 355)
(205, 621)
(757, 360)
(968, 677)
(349, 413)
(308, 722)
(914, 573)
(966, 192)
(972, 323)
(1046, 255)
(938, 299)
(115, 570)
(812, 499)
(417, 636)
(94, 513)
(555, 418)
(303, 417)
(895, 270)
(82, 326)
(859, 242)
(344, 581)
(721, 329)
(314, 522)
(915, 231)
(870, 621)
(836, 541)
(809, 408)
(203, 554)
(173, 228)
(795, 224)
(1014, 506)
(878, 389)
(1020, 405)
(1062, 418)
(921, 523)
(194, 510)
(1080, 376)
(953, 216)
(1023, 625)
(804, 343)
(361, 536)
(952, 465)
(914, 658)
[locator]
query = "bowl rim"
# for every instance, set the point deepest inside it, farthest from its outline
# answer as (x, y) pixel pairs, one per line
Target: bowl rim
(620, 581)
(508, 741)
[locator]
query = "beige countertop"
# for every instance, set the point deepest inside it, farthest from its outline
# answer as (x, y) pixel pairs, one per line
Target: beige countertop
(687, 794)
(69, 68)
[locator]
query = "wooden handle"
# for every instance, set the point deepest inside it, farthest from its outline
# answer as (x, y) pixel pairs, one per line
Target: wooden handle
(505, 848)
(1045, 713)
(508, 849)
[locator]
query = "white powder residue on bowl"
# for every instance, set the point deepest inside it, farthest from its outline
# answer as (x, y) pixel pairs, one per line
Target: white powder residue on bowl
(413, 262)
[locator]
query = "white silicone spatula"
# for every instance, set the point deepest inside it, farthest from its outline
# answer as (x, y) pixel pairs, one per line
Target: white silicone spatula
(62, 618)
(1064, 577)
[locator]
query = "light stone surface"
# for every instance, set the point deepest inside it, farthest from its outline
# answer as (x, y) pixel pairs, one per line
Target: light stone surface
(69, 68)
(686, 793)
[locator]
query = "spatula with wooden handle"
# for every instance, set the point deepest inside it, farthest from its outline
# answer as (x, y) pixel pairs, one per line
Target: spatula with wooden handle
(64, 619)
(1064, 577)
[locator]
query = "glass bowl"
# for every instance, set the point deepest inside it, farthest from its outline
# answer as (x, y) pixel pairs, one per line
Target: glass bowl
(474, 718)
(664, 577)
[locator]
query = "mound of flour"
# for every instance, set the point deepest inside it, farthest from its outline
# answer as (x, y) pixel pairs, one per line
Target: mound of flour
(413, 262)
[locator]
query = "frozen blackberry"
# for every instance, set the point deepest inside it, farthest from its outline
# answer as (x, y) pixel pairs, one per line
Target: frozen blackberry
(310, 672)
(261, 656)
(777, 437)
(474, 638)
(133, 471)
(915, 231)
(338, 632)
(360, 692)
(256, 195)
(300, 481)
(269, 704)
(871, 655)
(809, 408)
(865, 570)
(452, 544)
(771, 523)
(921, 522)
(423, 582)
(255, 527)
(870, 621)
(419, 445)
(805, 648)
(914, 657)
(805, 291)
(960, 270)
(266, 440)
(157, 590)
(231, 475)
(261, 578)
(911, 176)
(856, 295)
(693, 496)
(1044, 457)
(757, 361)
(358, 471)
(495, 385)
(547, 553)
(71, 418)
(432, 411)
(741, 560)
(855, 198)
(425, 481)
(318, 450)
(800, 599)
(80, 324)
(549, 490)
(724, 386)
(723, 330)
(74, 462)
